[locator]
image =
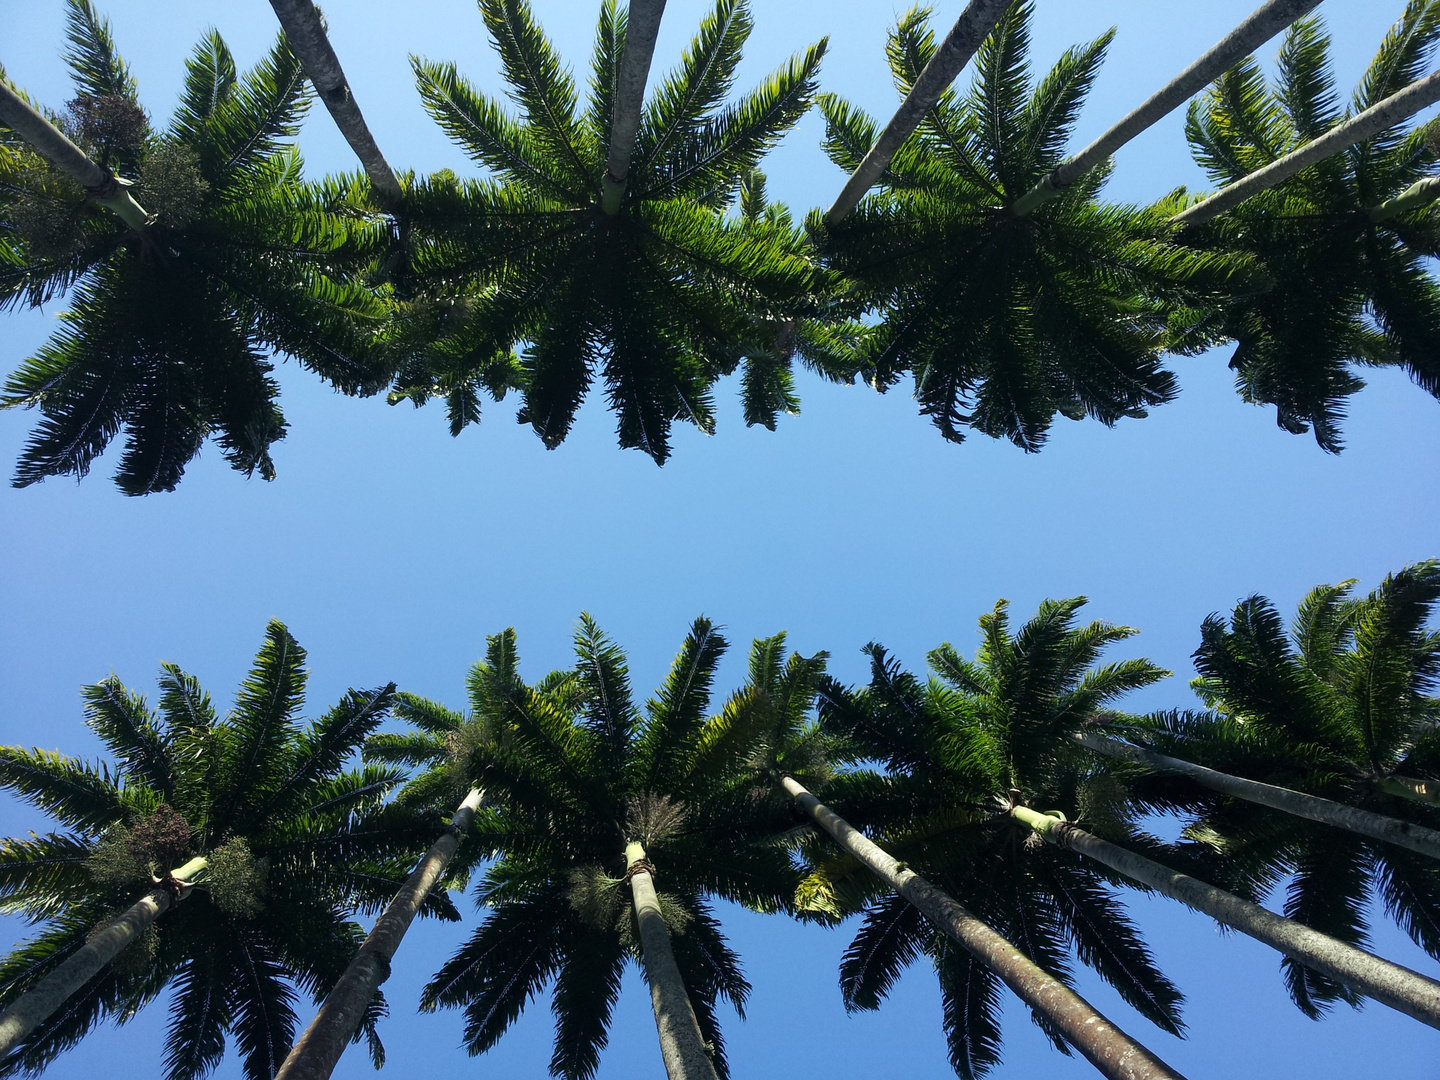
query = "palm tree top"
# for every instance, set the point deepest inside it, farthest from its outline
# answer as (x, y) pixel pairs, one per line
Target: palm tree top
(296, 842)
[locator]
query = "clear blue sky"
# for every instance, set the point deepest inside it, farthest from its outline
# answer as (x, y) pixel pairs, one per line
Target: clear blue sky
(391, 550)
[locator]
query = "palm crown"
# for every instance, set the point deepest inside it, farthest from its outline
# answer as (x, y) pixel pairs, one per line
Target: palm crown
(1341, 707)
(167, 330)
(1005, 320)
(573, 772)
(1347, 289)
(959, 749)
(294, 841)
(658, 299)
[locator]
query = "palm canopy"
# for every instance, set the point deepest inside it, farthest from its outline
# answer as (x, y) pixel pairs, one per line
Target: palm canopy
(1342, 707)
(168, 328)
(573, 771)
(1348, 288)
(657, 299)
(1004, 319)
(295, 843)
(958, 750)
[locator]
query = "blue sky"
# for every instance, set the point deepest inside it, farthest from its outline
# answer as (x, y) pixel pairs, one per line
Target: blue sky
(391, 549)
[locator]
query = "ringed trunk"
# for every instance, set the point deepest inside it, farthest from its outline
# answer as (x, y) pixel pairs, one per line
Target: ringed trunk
(1390, 984)
(317, 1052)
(1380, 116)
(1353, 819)
(975, 22)
(641, 26)
(38, 1003)
(1264, 23)
(305, 30)
(681, 1044)
(1108, 1048)
(107, 189)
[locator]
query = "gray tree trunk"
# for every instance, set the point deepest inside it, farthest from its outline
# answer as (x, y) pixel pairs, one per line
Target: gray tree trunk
(1390, 984)
(641, 26)
(318, 1051)
(1380, 116)
(1108, 1048)
(1263, 24)
(305, 31)
(36, 1005)
(107, 189)
(681, 1044)
(975, 22)
(1376, 826)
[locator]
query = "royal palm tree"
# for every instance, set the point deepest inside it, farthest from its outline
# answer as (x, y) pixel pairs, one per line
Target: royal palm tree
(1338, 708)
(280, 843)
(1349, 287)
(1005, 320)
(170, 317)
(950, 756)
(593, 799)
(647, 284)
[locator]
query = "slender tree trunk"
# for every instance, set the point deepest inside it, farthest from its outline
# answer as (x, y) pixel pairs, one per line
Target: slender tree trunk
(681, 1044)
(1390, 984)
(1380, 116)
(107, 189)
(641, 26)
(1352, 819)
(975, 22)
(317, 1052)
(36, 1005)
(1108, 1048)
(1421, 791)
(1264, 23)
(305, 31)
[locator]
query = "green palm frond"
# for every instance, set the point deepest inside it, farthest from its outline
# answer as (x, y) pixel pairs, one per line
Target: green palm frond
(94, 64)
(209, 80)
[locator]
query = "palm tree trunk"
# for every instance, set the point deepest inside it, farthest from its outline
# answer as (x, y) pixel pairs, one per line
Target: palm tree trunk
(1390, 984)
(975, 22)
(1264, 23)
(642, 24)
(317, 1052)
(1108, 1048)
(36, 1004)
(107, 189)
(305, 31)
(1380, 116)
(1421, 791)
(1376, 826)
(681, 1044)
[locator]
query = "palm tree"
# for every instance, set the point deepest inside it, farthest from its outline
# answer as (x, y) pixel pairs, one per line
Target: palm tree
(280, 843)
(1006, 320)
(656, 293)
(1333, 709)
(592, 799)
(782, 691)
(1349, 286)
(168, 321)
(950, 757)
(1011, 714)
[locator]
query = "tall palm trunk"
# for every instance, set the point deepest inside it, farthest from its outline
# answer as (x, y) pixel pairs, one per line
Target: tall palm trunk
(107, 189)
(642, 24)
(1390, 984)
(1351, 818)
(1380, 116)
(305, 31)
(1108, 1048)
(970, 29)
(317, 1052)
(1264, 23)
(36, 1005)
(681, 1044)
